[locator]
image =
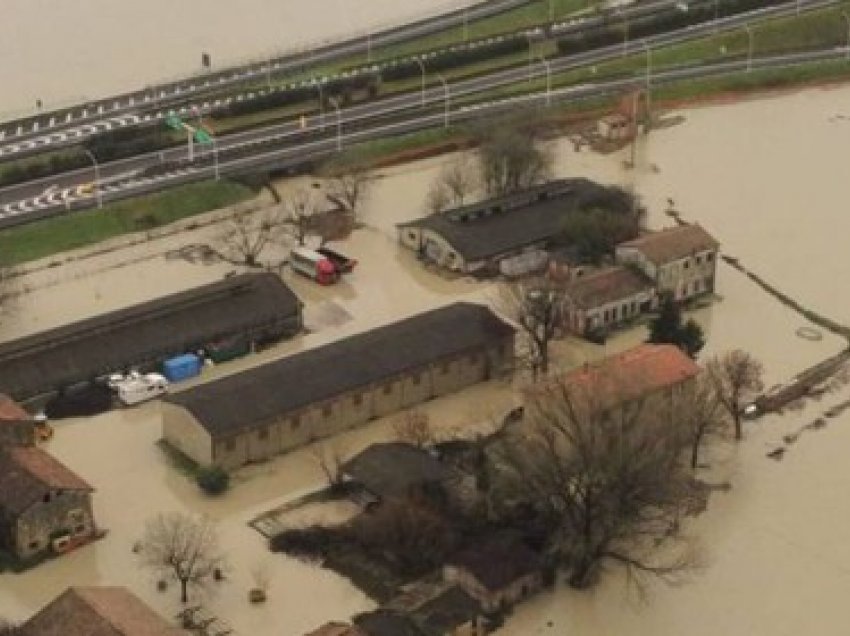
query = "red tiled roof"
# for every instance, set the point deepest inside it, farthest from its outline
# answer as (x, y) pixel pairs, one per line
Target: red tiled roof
(28, 473)
(605, 286)
(46, 469)
(98, 611)
(673, 243)
(10, 410)
(635, 373)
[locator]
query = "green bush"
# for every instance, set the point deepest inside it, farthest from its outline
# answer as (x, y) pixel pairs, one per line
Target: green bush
(213, 480)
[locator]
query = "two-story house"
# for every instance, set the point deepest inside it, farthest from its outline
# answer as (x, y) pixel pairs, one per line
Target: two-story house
(681, 260)
(44, 506)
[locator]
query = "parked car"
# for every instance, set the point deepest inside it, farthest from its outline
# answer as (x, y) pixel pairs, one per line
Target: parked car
(137, 387)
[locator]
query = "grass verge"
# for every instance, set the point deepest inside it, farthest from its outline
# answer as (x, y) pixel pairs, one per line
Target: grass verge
(43, 238)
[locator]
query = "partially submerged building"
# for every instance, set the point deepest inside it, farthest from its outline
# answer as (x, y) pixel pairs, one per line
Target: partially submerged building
(500, 232)
(249, 307)
(44, 506)
(600, 300)
(253, 415)
(97, 611)
(681, 260)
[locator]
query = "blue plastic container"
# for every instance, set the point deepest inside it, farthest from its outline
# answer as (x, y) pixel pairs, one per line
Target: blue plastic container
(182, 367)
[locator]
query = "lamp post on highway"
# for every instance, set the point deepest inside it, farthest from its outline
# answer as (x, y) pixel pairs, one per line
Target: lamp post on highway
(447, 98)
(318, 85)
(749, 47)
(368, 47)
(530, 56)
(625, 34)
(548, 68)
(421, 68)
(847, 20)
(97, 191)
(335, 104)
(215, 158)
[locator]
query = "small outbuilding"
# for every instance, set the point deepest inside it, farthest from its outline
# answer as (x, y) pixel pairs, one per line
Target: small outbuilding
(253, 415)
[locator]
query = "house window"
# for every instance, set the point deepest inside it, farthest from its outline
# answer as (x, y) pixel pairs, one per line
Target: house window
(411, 236)
(634, 307)
(46, 498)
(388, 388)
(34, 545)
(444, 368)
(230, 445)
(263, 433)
(80, 529)
(357, 399)
(295, 422)
(696, 286)
(327, 409)
(709, 257)
(699, 260)
(416, 378)
(687, 263)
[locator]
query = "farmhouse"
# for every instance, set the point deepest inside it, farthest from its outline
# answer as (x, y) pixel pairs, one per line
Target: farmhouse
(253, 415)
(681, 260)
(250, 307)
(17, 427)
(502, 232)
(44, 507)
(97, 611)
(603, 299)
(648, 370)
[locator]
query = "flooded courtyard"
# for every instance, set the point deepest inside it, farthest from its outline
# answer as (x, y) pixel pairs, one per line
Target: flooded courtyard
(766, 177)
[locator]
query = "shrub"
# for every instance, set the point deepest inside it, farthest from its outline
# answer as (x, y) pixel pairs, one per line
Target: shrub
(213, 480)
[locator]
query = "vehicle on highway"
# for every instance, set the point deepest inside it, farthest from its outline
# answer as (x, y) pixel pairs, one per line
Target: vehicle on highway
(313, 265)
(136, 387)
(85, 190)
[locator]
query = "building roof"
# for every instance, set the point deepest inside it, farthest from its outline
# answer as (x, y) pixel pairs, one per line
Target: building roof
(634, 373)
(97, 611)
(672, 243)
(382, 622)
(11, 410)
(336, 629)
(605, 286)
(393, 468)
(498, 226)
(28, 473)
(245, 400)
(447, 610)
(165, 326)
(497, 561)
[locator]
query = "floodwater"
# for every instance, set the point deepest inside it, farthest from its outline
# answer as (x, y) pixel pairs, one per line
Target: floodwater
(63, 52)
(775, 557)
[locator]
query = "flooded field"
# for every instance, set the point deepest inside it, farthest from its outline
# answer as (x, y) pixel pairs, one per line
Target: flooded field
(764, 176)
(61, 52)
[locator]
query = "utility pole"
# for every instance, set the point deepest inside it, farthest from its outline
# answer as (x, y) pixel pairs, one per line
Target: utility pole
(749, 47)
(548, 68)
(421, 68)
(97, 191)
(447, 98)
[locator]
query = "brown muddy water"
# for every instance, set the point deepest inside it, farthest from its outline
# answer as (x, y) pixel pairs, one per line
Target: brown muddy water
(61, 52)
(766, 177)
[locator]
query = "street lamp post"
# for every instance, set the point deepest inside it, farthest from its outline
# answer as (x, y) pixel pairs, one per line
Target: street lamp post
(368, 47)
(625, 34)
(548, 68)
(447, 98)
(97, 191)
(318, 85)
(847, 20)
(749, 47)
(421, 68)
(335, 104)
(215, 158)
(530, 56)
(648, 81)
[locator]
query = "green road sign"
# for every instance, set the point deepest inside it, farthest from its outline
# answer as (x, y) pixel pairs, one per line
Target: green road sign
(202, 136)
(173, 121)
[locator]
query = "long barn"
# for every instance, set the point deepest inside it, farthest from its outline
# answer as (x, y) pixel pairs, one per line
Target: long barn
(255, 414)
(248, 307)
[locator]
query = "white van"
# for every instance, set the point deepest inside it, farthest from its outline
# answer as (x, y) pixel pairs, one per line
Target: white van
(136, 388)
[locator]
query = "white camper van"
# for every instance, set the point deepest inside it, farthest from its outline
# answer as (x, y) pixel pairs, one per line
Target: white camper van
(136, 387)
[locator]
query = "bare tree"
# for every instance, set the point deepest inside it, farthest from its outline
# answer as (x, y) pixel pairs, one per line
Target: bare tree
(299, 208)
(330, 462)
(452, 187)
(438, 198)
(702, 414)
(414, 427)
(512, 159)
(183, 547)
(737, 379)
(348, 183)
(248, 234)
(605, 479)
(535, 305)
